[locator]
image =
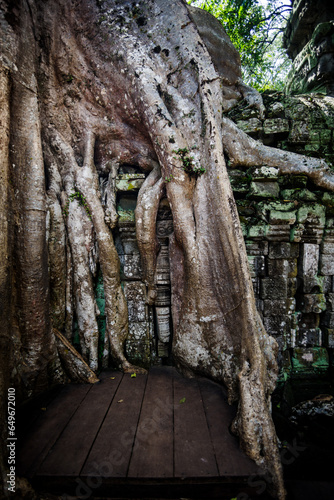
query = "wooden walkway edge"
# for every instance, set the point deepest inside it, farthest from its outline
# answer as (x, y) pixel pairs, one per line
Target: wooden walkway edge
(136, 437)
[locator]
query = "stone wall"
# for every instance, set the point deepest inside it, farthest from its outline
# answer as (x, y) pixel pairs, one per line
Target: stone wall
(309, 42)
(288, 224)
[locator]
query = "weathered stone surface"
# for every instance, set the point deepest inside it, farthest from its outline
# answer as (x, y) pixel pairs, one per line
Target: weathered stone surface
(329, 337)
(292, 287)
(263, 173)
(239, 181)
(283, 250)
(319, 408)
(327, 265)
(131, 267)
(313, 303)
(138, 344)
(276, 126)
(275, 325)
(256, 265)
(327, 248)
(308, 337)
(317, 284)
(329, 319)
(274, 288)
(298, 194)
(257, 232)
(257, 247)
(129, 182)
(135, 295)
(279, 217)
(278, 232)
(278, 267)
(259, 190)
(250, 126)
(299, 133)
(274, 307)
(313, 67)
(309, 260)
(330, 302)
(163, 323)
(309, 359)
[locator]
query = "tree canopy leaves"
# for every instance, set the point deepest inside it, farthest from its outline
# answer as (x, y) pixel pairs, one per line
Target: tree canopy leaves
(256, 31)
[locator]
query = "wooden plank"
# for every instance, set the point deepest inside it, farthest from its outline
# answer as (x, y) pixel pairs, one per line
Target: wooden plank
(193, 451)
(32, 409)
(153, 449)
(69, 453)
(112, 449)
(231, 460)
(47, 428)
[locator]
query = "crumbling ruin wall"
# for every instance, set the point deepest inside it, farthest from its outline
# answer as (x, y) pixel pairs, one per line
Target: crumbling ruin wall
(310, 44)
(288, 225)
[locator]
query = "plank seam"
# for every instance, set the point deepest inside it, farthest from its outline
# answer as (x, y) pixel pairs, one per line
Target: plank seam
(138, 420)
(39, 462)
(208, 426)
(98, 431)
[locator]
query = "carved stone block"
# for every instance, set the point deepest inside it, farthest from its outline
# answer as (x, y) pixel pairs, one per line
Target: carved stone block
(257, 266)
(278, 267)
(135, 294)
(275, 126)
(131, 267)
(309, 337)
(327, 265)
(274, 288)
(163, 323)
(327, 248)
(283, 250)
(309, 260)
(138, 344)
(257, 247)
(274, 307)
(261, 189)
(275, 325)
(163, 268)
(278, 232)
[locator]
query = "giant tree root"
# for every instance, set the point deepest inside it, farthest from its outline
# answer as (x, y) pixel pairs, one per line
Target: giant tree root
(74, 364)
(148, 201)
(244, 151)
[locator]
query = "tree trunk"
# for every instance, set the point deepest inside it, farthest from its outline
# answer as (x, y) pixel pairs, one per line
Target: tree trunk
(108, 83)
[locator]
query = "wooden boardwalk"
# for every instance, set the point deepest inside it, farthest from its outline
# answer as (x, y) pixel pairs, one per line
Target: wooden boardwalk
(155, 435)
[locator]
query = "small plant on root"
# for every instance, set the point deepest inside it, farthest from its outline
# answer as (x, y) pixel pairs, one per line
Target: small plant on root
(188, 162)
(76, 195)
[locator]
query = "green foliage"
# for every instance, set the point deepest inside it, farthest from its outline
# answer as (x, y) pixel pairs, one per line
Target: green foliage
(76, 195)
(188, 162)
(257, 33)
